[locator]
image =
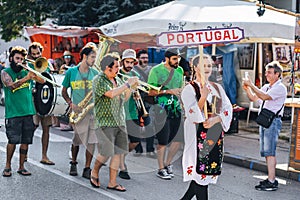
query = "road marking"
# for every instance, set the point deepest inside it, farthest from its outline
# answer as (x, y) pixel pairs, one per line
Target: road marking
(68, 177)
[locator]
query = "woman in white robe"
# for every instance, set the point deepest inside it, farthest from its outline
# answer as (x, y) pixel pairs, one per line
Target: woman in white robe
(203, 150)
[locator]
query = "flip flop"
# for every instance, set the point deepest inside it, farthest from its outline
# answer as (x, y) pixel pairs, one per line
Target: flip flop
(47, 162)
(117, 188)
(6, 172)
(95, 179)
(24, 172)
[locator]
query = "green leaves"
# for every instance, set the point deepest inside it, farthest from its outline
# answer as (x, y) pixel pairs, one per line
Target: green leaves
(15, 14)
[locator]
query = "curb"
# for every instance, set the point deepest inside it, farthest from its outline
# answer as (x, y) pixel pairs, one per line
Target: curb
(258, 165)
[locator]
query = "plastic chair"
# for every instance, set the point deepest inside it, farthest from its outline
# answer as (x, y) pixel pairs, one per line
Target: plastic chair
(251, 109)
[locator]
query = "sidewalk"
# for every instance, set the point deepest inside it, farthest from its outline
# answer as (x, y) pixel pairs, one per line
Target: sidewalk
(242, 149)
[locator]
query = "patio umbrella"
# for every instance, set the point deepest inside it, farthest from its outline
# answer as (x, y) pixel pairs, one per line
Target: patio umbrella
(183, 15)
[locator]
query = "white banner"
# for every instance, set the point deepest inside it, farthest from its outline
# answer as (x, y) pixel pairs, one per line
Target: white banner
(196, 37)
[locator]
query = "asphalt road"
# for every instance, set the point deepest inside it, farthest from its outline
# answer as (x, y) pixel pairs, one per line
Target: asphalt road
(54, 182)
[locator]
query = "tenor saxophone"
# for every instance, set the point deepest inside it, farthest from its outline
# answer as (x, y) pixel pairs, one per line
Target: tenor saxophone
(85, 105)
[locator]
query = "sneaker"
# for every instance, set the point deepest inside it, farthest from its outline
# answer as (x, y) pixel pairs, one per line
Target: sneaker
(169, 169)
(124, 175)
(73, 169)
(151, 154)
(86, 173)
(163, 174)
(266, 185)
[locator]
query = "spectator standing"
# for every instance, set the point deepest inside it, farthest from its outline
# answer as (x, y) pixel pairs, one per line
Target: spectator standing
(272, 97)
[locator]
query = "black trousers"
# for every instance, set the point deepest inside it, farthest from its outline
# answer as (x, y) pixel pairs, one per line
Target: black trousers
(201, 192)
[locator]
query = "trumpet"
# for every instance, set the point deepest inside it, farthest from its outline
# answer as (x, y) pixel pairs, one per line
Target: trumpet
(140, 104)
(144, 84)
(40, 65)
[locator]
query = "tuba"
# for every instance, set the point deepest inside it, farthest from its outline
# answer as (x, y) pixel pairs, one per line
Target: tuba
(104, 45)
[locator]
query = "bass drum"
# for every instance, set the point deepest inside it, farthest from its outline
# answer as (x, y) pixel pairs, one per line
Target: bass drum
(48, 99)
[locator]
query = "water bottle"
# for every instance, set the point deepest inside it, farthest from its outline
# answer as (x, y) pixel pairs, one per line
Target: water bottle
(246, 75)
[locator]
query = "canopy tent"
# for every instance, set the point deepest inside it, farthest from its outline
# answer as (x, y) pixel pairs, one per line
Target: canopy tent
(182, 15)
(186, 15)
(55, 39)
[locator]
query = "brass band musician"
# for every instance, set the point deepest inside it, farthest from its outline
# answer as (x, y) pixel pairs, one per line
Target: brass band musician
(79, 79)
(19, 109)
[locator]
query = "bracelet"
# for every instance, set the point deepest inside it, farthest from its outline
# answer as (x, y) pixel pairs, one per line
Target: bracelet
(70, 102)
(127, 85)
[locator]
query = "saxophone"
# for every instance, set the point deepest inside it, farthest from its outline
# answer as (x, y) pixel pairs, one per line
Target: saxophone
(85, 106)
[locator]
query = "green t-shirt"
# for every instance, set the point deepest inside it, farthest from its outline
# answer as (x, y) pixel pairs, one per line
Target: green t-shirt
(80, 83)
(108, 112)
(157, 76)
(131, 111)
(18, 102)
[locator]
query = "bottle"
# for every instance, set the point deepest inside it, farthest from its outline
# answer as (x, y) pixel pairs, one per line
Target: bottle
(246, 75)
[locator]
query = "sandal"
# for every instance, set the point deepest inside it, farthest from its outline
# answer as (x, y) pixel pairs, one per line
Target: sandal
(117, 187)
(96, 180)
(6, 172)
(47, 162)
(24, 172)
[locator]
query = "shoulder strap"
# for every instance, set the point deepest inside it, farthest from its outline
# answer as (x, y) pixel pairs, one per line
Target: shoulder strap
(169, 78)
(277, 111)
(142, 73)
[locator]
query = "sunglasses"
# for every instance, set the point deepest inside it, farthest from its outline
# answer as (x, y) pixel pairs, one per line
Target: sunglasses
(67, 56)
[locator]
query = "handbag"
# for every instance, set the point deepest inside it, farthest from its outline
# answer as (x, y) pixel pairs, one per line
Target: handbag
(266, 117)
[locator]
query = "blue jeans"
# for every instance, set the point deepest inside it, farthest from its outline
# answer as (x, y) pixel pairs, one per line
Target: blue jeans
(269, 138)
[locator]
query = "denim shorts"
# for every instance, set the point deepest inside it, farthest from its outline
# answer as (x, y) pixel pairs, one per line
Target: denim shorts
(269, 138)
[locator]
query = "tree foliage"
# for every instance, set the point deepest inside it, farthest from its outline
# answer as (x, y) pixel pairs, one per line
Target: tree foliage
(15, 14)
(18, 13)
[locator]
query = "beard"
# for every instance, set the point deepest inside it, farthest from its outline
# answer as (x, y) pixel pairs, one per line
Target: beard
(127, 69)
(175, 65)
(15, 67)
(143, 64)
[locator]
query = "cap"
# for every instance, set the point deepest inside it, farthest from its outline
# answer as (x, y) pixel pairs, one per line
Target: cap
(67, 53)
(129, 53)
(172, 52)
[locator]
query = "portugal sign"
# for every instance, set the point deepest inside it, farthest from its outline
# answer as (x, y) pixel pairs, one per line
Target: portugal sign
(199, 37)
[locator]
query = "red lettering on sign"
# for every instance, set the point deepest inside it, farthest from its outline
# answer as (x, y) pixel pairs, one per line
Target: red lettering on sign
(180, 38)
(170, 38)
(226, 35)
(199, 35)
(234, 36)
(190, 36)
(218, 35)
(207, 36)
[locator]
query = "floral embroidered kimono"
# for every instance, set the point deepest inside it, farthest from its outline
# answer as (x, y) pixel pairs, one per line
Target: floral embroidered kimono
(203, 150)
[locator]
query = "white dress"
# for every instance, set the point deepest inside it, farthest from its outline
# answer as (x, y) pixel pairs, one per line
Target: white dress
(194, 115)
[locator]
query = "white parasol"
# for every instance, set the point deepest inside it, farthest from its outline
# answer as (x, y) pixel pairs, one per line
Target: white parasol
(182, 15)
